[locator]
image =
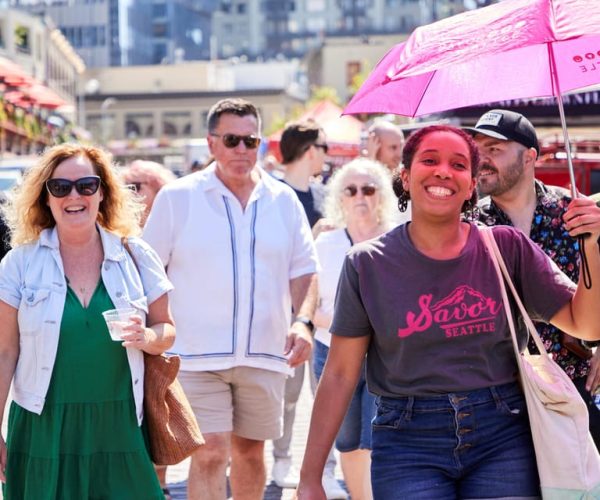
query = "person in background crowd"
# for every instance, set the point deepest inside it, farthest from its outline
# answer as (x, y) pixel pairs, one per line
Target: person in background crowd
(74, 424)
(384, 144)
(272, 167)
(508, 147)
(4, 231)
(237, 245)
(361, 204)
(451, 417)
(303, 148)
(146, 178)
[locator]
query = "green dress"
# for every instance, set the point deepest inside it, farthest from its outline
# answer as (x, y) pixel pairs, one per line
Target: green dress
(86, 444)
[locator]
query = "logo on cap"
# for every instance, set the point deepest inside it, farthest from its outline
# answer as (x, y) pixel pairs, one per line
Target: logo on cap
(490, 118)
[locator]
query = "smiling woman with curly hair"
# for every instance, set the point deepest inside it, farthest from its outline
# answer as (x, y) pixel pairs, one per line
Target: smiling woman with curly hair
(77, 410)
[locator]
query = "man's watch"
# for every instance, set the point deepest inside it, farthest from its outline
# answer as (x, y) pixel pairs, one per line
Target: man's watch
(305, 320)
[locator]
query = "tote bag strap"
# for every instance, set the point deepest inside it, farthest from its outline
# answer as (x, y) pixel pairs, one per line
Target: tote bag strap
(504, 277)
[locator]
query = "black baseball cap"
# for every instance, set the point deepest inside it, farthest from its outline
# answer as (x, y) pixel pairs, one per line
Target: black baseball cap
(507, 126)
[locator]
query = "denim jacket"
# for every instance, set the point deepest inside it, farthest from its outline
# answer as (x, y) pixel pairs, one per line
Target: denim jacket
(32, 280)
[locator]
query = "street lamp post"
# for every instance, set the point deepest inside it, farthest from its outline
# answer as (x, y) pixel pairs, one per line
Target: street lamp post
(90, 87)
(106, 103)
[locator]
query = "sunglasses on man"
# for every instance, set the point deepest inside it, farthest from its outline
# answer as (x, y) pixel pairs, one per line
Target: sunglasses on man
(85, 186)
(366, 190)
(231, 141)
(324, 147)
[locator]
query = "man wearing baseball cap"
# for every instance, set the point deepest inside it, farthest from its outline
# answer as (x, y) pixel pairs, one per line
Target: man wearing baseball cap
(509, 148)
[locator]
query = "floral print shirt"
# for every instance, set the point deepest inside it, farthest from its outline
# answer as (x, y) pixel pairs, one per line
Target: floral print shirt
(547, 231)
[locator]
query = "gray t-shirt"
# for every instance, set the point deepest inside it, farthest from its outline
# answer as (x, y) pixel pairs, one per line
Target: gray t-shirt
(438, 326)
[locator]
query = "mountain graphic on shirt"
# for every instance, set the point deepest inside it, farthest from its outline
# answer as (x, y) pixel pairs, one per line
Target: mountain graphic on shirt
(459, 296)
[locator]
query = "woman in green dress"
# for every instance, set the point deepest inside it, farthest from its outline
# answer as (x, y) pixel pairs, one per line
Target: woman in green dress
(75, 422)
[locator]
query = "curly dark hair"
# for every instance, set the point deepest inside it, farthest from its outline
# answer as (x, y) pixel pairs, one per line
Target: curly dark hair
(410, 148)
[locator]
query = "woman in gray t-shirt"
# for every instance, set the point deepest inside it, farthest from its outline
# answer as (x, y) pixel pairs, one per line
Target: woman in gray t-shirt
(423, 303)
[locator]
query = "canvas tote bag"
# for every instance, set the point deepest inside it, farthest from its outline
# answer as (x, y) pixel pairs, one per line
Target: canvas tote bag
(567, 459)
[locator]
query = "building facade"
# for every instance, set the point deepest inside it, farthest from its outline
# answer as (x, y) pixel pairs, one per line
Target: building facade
(139, 32)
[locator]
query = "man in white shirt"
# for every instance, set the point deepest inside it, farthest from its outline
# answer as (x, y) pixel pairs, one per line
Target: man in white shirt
(239, 251)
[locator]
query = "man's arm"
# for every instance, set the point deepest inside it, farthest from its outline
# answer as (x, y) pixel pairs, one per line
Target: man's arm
(304, 292)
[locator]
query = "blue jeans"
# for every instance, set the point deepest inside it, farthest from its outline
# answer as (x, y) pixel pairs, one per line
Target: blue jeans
(355, 431)
(466, 445)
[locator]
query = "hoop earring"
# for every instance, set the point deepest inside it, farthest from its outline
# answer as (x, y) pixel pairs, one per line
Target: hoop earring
(403, 200)
(471, 211)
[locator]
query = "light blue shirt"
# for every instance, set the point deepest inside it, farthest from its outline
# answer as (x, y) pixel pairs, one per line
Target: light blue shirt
(32, 280)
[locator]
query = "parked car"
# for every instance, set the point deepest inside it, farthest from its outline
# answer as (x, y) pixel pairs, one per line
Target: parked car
(12, 170)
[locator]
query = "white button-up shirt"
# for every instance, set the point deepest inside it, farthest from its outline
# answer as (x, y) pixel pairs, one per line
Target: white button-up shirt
(231, 268)
(32, 280)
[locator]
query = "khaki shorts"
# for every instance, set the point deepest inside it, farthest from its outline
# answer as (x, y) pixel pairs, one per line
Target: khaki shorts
(243, 400)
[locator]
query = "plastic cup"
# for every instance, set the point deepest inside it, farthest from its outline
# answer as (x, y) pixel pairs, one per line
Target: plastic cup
(117, 320)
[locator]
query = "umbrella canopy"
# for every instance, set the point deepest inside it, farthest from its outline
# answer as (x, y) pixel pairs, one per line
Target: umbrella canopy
(509, 50)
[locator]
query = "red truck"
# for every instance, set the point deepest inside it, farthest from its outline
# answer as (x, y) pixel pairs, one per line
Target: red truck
(551, 168)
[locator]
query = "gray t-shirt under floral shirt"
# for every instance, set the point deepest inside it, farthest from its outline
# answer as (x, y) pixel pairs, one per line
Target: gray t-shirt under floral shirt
(439, 326)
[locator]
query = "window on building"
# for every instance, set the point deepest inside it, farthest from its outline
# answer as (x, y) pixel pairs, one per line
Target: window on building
(159, 9)
(176, 123)
(138, 125)
(242, 8)
(2, 43)
(160, 30)
(353, 68)
(315, 24)
(226, 7)
(22, 39)
(159, 52)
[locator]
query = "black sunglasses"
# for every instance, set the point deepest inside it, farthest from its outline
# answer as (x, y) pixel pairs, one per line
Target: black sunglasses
(231, 140)
(86, 186)
(324, 147)
(366, 190)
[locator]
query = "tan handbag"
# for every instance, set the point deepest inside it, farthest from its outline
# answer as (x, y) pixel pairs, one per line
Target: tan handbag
(173, 431)
(567, 459)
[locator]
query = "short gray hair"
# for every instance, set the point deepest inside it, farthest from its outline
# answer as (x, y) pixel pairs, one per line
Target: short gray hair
(381, 178)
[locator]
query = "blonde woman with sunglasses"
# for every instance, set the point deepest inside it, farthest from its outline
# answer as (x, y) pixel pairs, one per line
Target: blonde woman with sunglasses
(76, 415)
(361, 205)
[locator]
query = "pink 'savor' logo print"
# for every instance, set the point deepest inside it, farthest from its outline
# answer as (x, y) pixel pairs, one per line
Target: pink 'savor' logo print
(463, 312)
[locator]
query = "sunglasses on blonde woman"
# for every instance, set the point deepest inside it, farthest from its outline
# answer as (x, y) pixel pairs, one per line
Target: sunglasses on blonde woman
(231, 141)
(85, 186)
(366, 190)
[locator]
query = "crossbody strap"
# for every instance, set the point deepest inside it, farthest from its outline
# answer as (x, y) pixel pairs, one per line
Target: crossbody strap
(504, 278)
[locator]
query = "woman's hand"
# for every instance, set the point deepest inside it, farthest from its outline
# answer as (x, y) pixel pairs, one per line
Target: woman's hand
(3, 456)
(137, 335)
(310, 490)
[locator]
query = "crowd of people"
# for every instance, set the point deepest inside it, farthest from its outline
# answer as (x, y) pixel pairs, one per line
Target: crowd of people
(254, 279)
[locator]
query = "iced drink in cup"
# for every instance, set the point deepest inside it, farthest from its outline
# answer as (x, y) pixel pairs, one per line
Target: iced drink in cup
(117, 320)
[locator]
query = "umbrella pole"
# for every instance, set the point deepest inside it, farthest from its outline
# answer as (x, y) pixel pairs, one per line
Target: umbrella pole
(563, 123)
(585, 274)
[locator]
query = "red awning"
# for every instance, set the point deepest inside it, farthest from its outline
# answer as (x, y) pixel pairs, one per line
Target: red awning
(12, 74)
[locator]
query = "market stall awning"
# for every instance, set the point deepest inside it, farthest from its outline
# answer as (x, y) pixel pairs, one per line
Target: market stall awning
(12, 74)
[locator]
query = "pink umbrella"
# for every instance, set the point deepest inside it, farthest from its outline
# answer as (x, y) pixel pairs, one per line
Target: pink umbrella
(509, 50)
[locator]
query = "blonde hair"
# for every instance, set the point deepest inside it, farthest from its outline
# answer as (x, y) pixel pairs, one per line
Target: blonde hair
(381, 177)
(27, 213)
